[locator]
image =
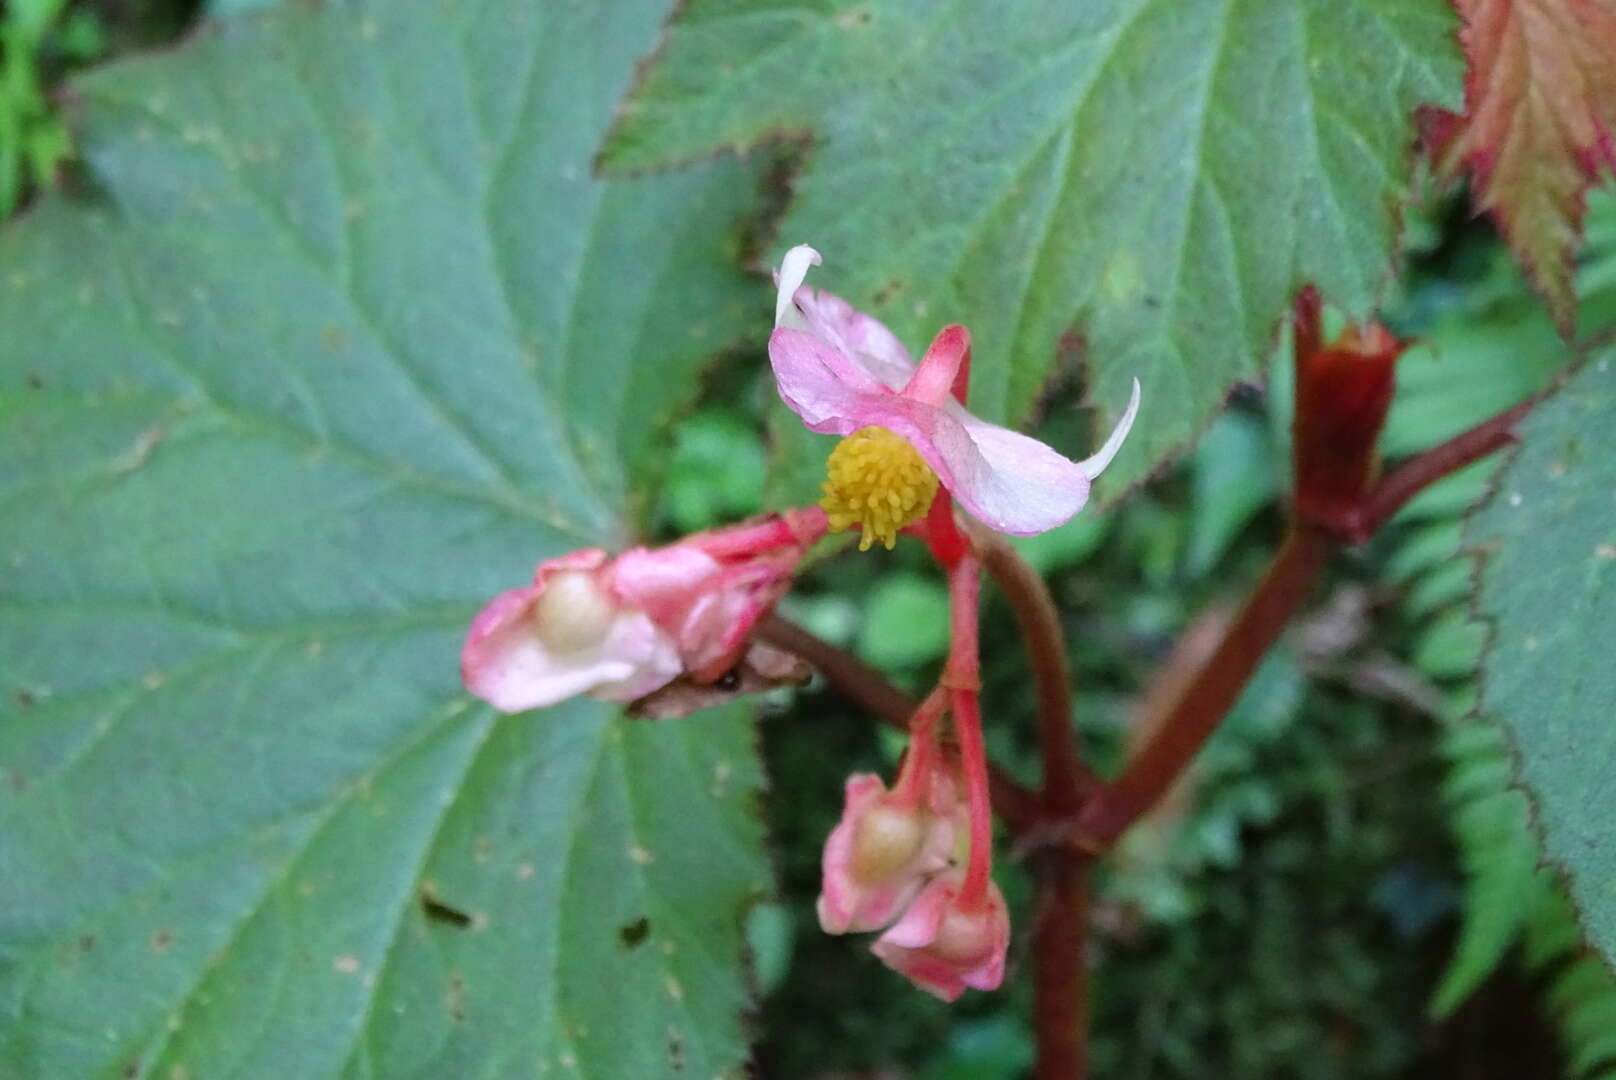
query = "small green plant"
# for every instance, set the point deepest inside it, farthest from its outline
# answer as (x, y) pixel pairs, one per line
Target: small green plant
(36, 38)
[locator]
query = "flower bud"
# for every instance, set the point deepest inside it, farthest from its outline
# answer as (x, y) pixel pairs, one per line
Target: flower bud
(884, 850)
(564, 635)
(962, 937)
(944, 945)
(574, 612)
(886, 839)
(1343, 393)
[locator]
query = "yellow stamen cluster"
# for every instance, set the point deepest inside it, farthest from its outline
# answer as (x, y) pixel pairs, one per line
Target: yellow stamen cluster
(876, 480)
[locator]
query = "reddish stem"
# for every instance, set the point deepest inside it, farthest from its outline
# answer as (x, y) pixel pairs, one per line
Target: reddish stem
(1060, 929)
(1067, 780)
(873, 692)
(1204, 703)
(1422, 470)
(1059, 979)
(917, 763)
(801, 528)
(973, 760)
(1208, 697)
(962, 676)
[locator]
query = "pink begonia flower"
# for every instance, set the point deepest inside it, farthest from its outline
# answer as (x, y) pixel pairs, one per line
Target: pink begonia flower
(619, 629)
(882, 852)
(843, 372)
(942, 947)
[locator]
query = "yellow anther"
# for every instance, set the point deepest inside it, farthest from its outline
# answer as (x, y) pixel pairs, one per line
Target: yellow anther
(877, 481)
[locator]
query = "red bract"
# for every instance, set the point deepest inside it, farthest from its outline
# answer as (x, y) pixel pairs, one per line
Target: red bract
(1343, 392)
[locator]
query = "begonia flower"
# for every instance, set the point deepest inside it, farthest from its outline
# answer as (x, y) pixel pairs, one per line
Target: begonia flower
(618, 629)
(844, 373)
(943, 944)
(884, 849)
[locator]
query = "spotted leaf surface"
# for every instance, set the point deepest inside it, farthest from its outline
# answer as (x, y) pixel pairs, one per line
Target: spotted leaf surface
(337, 338)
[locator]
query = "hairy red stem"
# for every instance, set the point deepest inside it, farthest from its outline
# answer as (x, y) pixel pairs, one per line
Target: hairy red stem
(1422, 470)
(872, 691)
(1060, 927)
(962, 675)
(1060, 982)
(1067, 780)
(801, 527)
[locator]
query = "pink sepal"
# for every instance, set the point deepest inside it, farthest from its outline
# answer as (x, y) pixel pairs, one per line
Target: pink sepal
(505, 661)
(943, 949)
(709, 608)
(850, 902)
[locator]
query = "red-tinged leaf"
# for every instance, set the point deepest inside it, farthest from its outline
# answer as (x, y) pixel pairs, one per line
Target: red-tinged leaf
(1540, 116)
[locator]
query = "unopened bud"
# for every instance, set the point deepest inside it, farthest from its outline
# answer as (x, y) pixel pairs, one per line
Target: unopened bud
(963, 937)
(887, 838)
(1343, 393)
(574, 612)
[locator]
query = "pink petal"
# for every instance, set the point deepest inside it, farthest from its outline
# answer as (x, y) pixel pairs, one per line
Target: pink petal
(654, 657)
(582, 559)
(505, 663)
(933, 380)
(862, 339)
(918, 927)
(875, 349)
(1010, 482)
(820, 382)
(847, 904)
(911, 948)
(663, 582)
(717, 627)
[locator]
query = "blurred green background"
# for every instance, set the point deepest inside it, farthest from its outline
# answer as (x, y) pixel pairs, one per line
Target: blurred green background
(1346, 886)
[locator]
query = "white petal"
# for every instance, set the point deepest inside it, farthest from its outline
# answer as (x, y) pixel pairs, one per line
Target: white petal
(793, 269)
(1093, 466)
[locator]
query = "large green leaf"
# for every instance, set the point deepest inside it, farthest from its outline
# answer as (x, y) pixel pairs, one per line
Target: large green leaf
(1156, 175)
(341, 339)
(1548, 596)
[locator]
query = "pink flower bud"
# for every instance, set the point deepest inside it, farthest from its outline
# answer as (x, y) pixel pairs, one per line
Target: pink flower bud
(565, 634)
(882, 851)
(619, 629)
(943, 946)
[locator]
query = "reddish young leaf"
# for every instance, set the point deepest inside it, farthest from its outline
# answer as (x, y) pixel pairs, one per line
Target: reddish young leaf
(1540, 117)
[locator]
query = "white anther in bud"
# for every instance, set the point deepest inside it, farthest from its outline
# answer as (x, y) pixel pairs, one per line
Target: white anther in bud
(574, 613)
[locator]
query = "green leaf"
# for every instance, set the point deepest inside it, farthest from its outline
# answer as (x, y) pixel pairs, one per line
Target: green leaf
(1233, 478)
(218, 8)
(1548, 596)
(715, 472)
(1503, 885)
(906, 623)
(346, 340)
(1581, 991)
(1156, 175)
